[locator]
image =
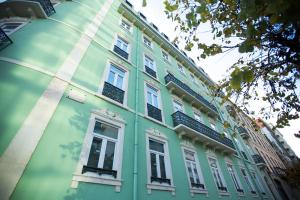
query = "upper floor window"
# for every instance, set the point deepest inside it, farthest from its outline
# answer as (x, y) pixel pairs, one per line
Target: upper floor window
(114, 85)
(165, 55)
(150, 67)
(121, 47)
(10, 27)
(147, 42)
(177, 106)
(153, 105)
(234, 178)
(181, 69)
(125, 25)
(193, 78)
(197, 116)
(248, 181)
(212, 124)
(260, 186)
(218, 178)
(193, 170)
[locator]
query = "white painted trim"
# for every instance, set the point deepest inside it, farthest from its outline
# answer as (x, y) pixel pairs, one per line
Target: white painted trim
(23, 22)
(154, 65)
(123, 37)
(229, 162)
(150, 40)
(220, 173)
(178, 100)
(130, 31)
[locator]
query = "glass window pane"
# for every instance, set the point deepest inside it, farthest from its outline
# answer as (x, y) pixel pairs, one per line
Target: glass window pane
(106, 130)
(156, 146)
(94, 152)
(111, 77)
(196, 173)
(149, 98)
(155, 101)
(189, 155)
(189, 168)
(162, 166)
(153, 165)
(109, 155)
(119, 83)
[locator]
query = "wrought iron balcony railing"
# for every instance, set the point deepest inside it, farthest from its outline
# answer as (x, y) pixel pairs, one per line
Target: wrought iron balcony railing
(150, 71)
(99, 171)
(259, 161)
(243, 132)
(197, 185)
(244, 155)
(4, 40)
(223, 189)
(194, 128)
(113, 92)
(154, 112)
(240, 190)
(190, 95)
(121, 52)
(47, 6)
(160, 180)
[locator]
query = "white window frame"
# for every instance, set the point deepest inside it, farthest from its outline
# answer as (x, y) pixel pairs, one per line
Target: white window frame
(160, 105)
(105, 78)
(123, 20)
(179, 102)
(160, 137)
(220, 174)
(198, 113)
(165, 56)
(154, 65)
(180, 68)
(22, 22)
(249, 182)
(212, 124)
(147, 39)
(128, 47)
(258, 182)
(235, 174)
(90, 177)
(192, 149)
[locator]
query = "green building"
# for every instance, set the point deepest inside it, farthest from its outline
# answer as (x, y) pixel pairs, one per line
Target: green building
(96, 103)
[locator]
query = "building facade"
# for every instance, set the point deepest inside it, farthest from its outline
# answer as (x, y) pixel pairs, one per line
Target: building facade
(97, 103)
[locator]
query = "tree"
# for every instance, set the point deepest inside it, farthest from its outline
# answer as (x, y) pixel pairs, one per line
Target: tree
(266, 32)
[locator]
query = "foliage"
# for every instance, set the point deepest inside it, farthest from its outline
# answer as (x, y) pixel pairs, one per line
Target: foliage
(266, 32)
(292, 175)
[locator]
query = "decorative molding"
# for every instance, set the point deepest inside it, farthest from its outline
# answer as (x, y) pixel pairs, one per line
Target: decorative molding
(170, 188)
(156, 133)
(105, 112)
(187, 144)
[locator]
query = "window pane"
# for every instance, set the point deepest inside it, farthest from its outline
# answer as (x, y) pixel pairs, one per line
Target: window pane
(153, 165)
(109, 155)
(94, 152)
(149, 97)
(119, 83)
(189, 155)
(162, 166)
(111, 77)
(106, 130)
(196, 173)
(155, 101)
(156, 146)
(189, 168)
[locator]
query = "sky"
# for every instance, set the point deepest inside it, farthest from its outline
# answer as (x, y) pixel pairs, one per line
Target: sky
(215, 66)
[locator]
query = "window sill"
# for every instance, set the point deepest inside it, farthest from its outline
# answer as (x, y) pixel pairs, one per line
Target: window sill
(224, 193)
(153, 186)
(124, 59)
(194, 191)
(94, 178)
(156, 121)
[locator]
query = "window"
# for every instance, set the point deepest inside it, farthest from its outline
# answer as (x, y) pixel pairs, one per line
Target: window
(226, 134)
(177, 106)
(248, 181)
(114, 85)
(150, 66)
(212, 124)
(165, 56)
(197, 116)
(153, 104)
(193, 170)
(180, 68)
(234, 178)
(125, 25)
(257, 181)
(121, 47)
(101, 156)
(147, 42)
(10, 27)
(218, 178)
(193, 79)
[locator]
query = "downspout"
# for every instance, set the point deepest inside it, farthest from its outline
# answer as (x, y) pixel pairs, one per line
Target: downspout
(135, 159)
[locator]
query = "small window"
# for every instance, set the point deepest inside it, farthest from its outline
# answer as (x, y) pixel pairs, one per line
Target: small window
(116, 76)
(147, 42)
(248, 181)
(125, 25)
(10, 27)
(193, 170)
(212, 124)
(197, 116)
(122, 47)
(234, 178)
(177, 106)
(165, 56)
(152, 96)
(181, 69)
(150, 67)
(260, 186)
(153, 105)
(194, 79)
(218, 178)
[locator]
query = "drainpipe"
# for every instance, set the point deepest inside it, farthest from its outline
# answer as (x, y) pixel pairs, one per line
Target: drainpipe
(135, 159)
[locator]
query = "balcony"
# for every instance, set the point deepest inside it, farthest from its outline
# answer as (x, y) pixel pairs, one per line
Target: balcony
(113, 92)
(121, 52)
(25, 8)
(160, 180)
(259, 161)
(243, 132)
(154, 112)
(150, 71)
(4, 40)
(186, 125)
(99, 171)
(182, 90)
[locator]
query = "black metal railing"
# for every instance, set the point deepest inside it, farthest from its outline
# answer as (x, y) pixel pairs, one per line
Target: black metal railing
(113, 92)
(150, 71)
(240, 190)
(197, 185)
(154, 112)
(244, 155)
(4, 40)
(143, 16)
(160, 180)
(258, 159)
(121, 52)
(181, 118)
(253, 192)
(171, 78)
(223, 188)
(128, 3)
(47, 6)
(99, 171)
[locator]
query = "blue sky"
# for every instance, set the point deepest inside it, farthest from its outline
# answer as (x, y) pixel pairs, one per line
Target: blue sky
(215, 66)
